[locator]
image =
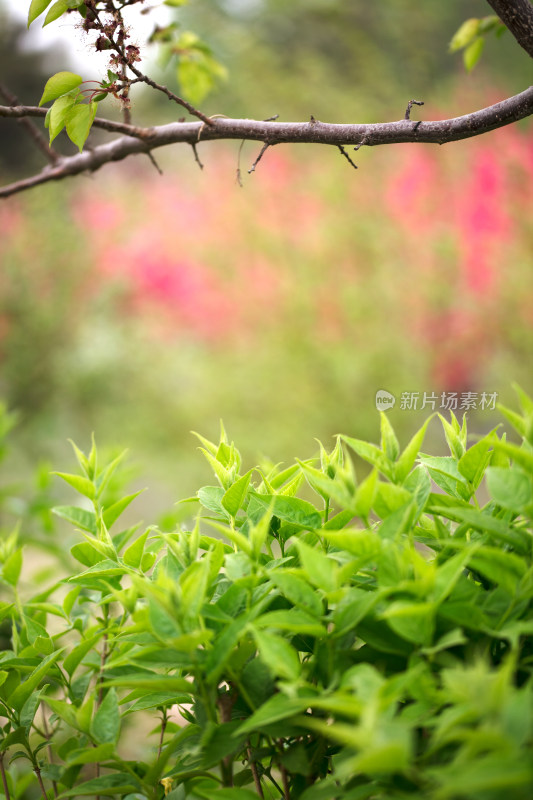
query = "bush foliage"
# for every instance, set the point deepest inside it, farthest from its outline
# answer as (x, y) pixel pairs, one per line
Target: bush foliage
(374, 643)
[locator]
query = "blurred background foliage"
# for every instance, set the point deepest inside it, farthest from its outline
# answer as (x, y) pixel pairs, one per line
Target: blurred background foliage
(141, 307)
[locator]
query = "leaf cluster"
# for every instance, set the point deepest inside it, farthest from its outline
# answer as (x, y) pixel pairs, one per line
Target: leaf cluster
(375, 642)
(470, 38)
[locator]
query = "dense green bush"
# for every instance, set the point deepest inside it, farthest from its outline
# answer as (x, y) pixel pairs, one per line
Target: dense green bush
(376, 646)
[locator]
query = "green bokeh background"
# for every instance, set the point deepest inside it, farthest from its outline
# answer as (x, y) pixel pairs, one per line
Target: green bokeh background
(84, 351)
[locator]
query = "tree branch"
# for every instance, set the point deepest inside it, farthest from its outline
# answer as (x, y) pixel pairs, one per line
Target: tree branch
(36, 135)
(144, 140)
(517, 15)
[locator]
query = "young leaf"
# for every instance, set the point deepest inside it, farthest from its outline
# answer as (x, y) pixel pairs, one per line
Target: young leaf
(22, 692)
(59, 84)
(473, 52)
(12, 567)
(105, 726)
(58, 9)
(234, 497)
(86, 520)
(36, 9)
(79, 123)
(82, 485)
(321, 570)
(112, 513)
(281, 659)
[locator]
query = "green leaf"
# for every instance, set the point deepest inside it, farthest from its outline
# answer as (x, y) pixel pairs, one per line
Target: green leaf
(109, 785)
(228, 793)
(389, 441)
(112, 513)
(281, 659)
(412, 621)
(152, 682)
(64, 710)
(293, 620)
(473, 463)
(233, 499)
(36, 9)
(36, 631)
(510, 488)
(321, 570)
(211, 498)
(134, 553)
(485, 523)
(22, 692)
(465, 35)
(12, 567)
(503, 569)
(59, 84)
(473, 52)
(290, 509)
(29, 709)
(105, 727)
(372, 454)
(79, 123)
(406, 462)
(86, 520)
(82, 485)
(297, 591)
(58, 9)
(58, 114)
(275, 709)
(196, 81)
(86, 554)
(91, 755)
(76, 655)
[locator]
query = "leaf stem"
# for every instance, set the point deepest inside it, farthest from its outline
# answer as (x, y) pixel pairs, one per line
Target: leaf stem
(253, 767)
(4, 776)
(41, 784)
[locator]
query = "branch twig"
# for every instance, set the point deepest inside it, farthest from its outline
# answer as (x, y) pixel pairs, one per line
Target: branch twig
(346, 156)
(143, 140)
(410, 104)
(259, 157)
(30, 127)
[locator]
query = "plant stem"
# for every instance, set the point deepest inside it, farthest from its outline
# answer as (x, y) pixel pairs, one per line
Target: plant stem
(253, 767)
(49, 746)
(284, 776)
(41, 784)
(163, 727)
(4, 777)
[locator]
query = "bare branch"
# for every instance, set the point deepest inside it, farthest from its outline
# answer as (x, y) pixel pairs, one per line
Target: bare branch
(517, 15)
(30, 127)
(144, 140)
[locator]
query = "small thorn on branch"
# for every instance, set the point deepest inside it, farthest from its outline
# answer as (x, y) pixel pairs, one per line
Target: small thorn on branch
(196, 156)
(272, 119)
(346, 156)
(410, 104)
(258, 159)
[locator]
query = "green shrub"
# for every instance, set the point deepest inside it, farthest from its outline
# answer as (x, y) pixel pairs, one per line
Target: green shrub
(376, 646)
